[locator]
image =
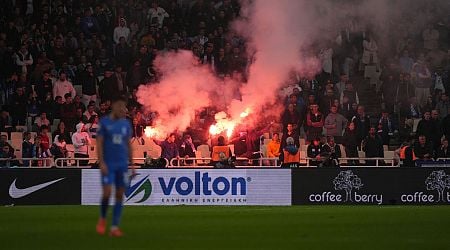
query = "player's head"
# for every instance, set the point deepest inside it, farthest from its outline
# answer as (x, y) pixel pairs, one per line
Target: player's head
(119, 107)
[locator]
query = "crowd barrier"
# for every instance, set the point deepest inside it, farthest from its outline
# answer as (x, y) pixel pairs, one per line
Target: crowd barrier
(239, 186)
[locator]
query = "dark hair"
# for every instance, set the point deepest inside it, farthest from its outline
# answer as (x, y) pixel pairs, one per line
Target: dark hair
(221, 141)
(120, 98)
(43, 127)
(67, 95)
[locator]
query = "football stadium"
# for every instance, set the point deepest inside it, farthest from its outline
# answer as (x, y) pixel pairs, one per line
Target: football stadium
(224, 124)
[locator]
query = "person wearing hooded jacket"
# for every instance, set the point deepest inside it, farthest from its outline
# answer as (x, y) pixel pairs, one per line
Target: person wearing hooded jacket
(81, 141)
(291, 154)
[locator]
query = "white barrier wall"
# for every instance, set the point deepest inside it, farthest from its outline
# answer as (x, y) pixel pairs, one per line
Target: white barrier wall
(198, 187)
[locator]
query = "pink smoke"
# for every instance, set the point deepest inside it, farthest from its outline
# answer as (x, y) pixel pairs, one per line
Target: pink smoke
(185, 87)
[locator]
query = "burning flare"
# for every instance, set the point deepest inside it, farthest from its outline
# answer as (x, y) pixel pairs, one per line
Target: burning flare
(225, 124)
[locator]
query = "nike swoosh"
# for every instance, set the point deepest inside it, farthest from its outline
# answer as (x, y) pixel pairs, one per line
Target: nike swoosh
(16, 192)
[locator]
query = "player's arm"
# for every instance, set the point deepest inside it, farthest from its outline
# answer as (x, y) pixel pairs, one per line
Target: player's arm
(101, 159)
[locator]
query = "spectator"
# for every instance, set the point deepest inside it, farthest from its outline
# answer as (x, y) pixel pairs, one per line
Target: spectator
(68, 112)
(6, 153)
(42, 120)
(273, 147)
(138, 131)
(406, 62)
(291, 116)
(28, 150)
(421, 79)
(121, 31)
(443, 151)
(430, 38)
(169, 148)
(425, 125)
(45, 140)
(58, 149)
(187, 149)
(102, 111)
(123, 52)
(335, 124)
(386, 127)
(19, 102)
(156, 15)
(436, 132)
(327, 101)
(291, 153)
(78, 104)
(333, 153)
(446, 126)
(61, 130)
(423, 149)
(221, 154)
(81, 141)
(443, 106)
(24, 60)
(362, 124)
(89, 24)
(351, 144)
(89, 83)
(314, 152)
(406, 153)
(135, 76)
(4, 119)
(290, 132)
(92, 126)
(63, 86)
(44, 86)
(373, 147)
(314, 122)
(349, 93)
(89, 113)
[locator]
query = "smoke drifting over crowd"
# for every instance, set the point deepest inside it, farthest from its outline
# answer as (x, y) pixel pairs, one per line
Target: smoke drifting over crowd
(281, 37)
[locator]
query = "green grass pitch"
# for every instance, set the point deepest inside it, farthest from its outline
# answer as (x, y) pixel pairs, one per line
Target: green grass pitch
(188, 227)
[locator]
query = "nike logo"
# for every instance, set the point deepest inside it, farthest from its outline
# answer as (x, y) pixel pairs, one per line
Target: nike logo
(16, 192)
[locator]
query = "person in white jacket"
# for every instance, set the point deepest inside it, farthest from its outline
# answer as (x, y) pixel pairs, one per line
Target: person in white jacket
(62, 86)
(81, 142)
(24, 60)
(121, 31)
(156, 15)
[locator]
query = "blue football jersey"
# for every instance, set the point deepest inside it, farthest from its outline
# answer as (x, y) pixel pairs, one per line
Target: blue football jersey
(116, 136)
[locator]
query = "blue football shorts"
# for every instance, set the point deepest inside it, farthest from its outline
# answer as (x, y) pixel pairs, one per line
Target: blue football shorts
(116, 177)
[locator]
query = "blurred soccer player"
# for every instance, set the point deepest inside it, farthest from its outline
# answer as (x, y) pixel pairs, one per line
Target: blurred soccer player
(114, 154)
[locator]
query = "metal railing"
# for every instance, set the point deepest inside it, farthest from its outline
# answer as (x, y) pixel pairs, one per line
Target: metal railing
(203, 162)
(75, 162)
(274, 162)
(46, 162)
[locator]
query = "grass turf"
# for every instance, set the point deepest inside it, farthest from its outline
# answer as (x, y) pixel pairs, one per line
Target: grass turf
(187, 227)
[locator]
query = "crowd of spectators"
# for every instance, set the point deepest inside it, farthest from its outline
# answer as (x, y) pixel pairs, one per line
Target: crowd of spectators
(63, 61)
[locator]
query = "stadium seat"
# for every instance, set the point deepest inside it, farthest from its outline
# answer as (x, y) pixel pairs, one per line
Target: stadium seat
(204, 152)
(264, 150)
(302, 142)
(389, 155)
(16, 136)
(362, 154)
(92, 153)
(78, 89)
(415, 124)
(21, 128)
(303, 155)
(343, 154)
(56, 121)
(5, 133)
